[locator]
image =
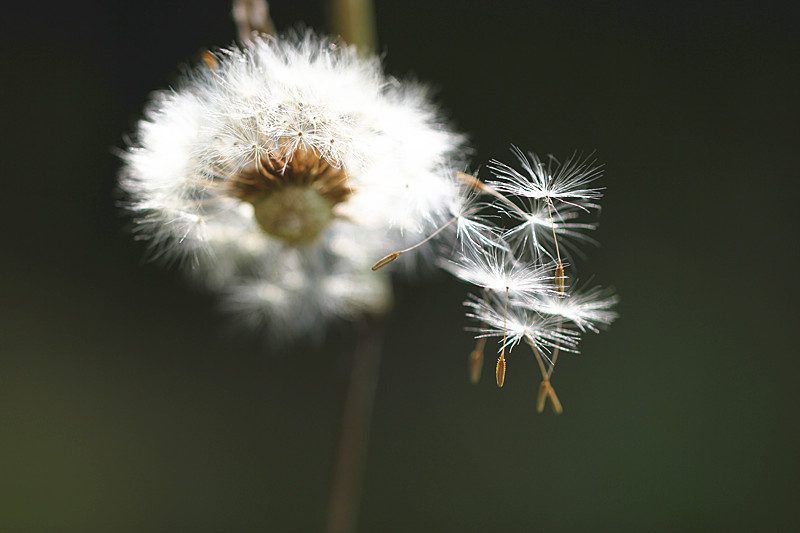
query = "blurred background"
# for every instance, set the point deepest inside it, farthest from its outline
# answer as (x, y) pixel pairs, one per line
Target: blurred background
(126, 405)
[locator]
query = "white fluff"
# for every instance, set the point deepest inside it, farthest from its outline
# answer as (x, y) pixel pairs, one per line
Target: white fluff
(284, 95)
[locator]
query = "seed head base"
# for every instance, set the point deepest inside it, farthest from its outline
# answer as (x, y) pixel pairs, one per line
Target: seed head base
(293, 197)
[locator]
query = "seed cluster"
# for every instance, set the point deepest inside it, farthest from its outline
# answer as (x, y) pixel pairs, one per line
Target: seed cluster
(292, 197)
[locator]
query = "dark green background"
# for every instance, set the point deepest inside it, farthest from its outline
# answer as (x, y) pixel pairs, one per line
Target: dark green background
(127, 406)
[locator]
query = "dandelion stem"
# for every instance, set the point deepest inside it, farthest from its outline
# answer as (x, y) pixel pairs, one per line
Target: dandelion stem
(252, 16)
(354, 21)
(354, 431)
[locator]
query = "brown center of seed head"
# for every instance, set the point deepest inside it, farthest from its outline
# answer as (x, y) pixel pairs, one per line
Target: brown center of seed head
(292, 197)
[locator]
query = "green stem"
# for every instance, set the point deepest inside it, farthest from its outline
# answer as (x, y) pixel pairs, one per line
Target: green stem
(354, 432)
(252, 16)
(354, 22)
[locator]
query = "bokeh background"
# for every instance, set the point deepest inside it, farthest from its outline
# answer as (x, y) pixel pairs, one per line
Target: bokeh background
(126, 405)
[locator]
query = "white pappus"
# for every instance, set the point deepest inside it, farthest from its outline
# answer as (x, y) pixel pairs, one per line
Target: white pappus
(279, 171)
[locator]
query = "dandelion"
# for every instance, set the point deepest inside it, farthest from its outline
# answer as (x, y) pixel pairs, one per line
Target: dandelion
(517, 324)
(287, 172)
(278, 171)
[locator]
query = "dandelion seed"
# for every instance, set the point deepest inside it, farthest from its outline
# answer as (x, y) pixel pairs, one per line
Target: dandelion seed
(535, 232)
(524, 261)
(385, 261)
(560, 279)
(394, 255)
(567, 182)
(473, 228)
(588, 310)
(517, 324)
(498, 270)
(500, 370)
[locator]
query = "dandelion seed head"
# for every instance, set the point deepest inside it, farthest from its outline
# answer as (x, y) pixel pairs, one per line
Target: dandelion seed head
(279, 171)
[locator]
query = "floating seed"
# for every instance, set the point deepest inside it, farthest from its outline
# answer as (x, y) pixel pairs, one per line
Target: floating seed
(385, 261)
